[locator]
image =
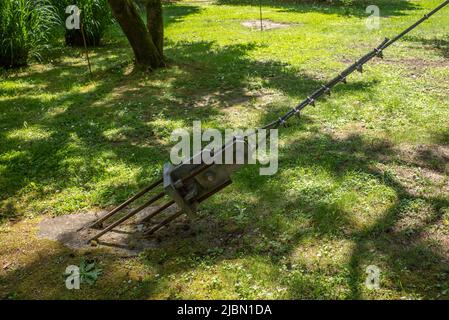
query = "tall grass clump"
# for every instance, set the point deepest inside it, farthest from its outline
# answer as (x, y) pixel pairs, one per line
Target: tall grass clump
(95, 18)
(25, 26)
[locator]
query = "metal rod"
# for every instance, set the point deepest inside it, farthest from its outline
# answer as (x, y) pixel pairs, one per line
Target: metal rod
(179, 213)
(377, 52)
(87, 50)
(153, 214)
(197, 171)
(328, 86)
(124, 204)
(357, 66)
(214, 191)
(163, 223)
(128, 216)
(416, 24)
(202, 166)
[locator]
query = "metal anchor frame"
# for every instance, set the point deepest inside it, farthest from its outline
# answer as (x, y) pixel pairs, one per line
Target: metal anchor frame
(189, 184)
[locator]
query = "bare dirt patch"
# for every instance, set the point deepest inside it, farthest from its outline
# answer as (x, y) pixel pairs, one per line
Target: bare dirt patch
(266, 24)
(422, 170)
(416, 66)
(127, 238)
(352, 129)
(434, 157)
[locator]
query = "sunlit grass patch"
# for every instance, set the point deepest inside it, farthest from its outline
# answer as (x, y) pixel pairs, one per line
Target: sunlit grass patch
(362, 177)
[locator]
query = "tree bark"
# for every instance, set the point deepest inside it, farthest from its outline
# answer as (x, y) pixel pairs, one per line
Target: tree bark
(145, 51)
(155, 23)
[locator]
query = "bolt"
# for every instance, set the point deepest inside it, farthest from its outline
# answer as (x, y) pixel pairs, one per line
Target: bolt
(210, 176)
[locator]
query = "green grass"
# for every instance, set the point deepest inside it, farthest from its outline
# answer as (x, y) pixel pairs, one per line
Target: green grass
(363, 176)
(25, 27)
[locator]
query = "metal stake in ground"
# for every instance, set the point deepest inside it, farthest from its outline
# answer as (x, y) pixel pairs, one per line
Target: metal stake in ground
(85, 47)
(186, 183)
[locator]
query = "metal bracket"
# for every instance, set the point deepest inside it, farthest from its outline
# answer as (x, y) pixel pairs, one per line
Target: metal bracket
(188, 188)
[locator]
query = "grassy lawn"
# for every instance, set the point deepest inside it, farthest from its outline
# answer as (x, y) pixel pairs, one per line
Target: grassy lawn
(363, 178)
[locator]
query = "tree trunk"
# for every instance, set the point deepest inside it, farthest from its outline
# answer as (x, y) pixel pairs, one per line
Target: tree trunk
(155, 23)
(145, 51)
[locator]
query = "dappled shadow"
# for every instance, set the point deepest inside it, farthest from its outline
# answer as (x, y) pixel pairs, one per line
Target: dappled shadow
(439, 44)
(442, 137)
(42, 277)
(403, 248)
(401, 241)
(129, 105)
(202, 81)
(353, 8)
(174, 13)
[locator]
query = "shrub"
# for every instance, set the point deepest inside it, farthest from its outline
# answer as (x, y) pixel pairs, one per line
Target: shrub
(95, 18)
(24, 29)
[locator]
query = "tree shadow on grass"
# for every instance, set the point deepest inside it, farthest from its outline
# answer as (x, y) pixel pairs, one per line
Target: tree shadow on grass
(212, 70)
(174, 13)
(410, 261)
(441, 45)
(354, 8)
(42, 277)
(408, 247)
(115, 119)
(411, 245)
